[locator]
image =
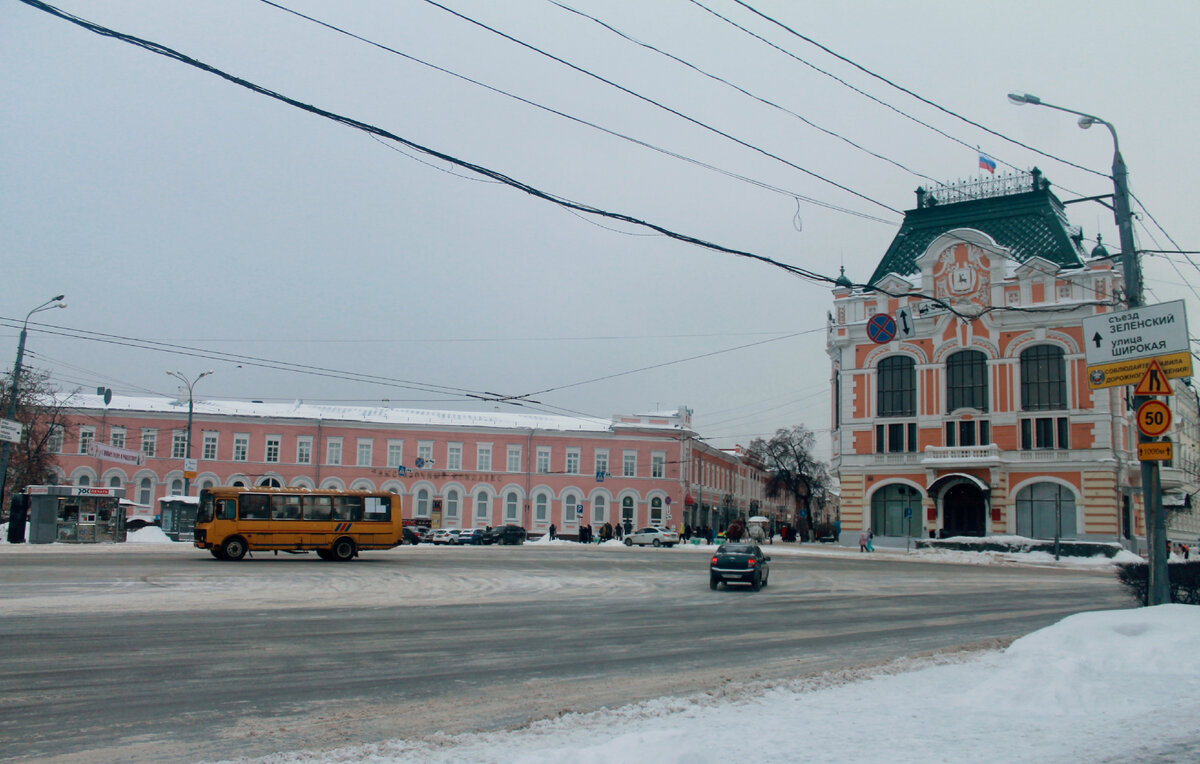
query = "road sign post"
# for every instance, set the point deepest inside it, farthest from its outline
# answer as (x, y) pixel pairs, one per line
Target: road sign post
(1119, 347)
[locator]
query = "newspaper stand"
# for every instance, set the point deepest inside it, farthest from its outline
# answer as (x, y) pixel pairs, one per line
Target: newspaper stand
(75, 514)
(179, 516)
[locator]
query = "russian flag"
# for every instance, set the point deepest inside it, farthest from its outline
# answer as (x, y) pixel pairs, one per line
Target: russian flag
(987, 163)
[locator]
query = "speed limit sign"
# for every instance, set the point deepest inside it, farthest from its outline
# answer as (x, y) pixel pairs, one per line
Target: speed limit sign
(1153, 418)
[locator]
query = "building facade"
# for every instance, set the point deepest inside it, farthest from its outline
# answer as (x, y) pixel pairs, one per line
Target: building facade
(454, 469)
(971, 414)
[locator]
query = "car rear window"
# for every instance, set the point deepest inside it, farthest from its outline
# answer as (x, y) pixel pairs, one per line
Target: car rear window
(736, 549)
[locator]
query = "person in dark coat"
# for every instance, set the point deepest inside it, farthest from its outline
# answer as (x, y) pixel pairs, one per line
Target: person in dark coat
(553, 531)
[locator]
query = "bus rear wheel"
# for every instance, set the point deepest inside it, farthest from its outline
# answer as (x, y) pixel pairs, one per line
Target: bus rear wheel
(234, 548)
(324, 554)
(343, 550)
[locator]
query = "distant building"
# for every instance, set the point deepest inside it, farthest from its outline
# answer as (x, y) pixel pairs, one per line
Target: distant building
(455, 469)
(976, 418)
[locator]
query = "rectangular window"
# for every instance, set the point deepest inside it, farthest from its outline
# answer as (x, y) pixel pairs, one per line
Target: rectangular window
(572, 461)
(365, 447)
(178, 444)
(272, 453)
(333, 452)
(898, 437)
(1064, 438)
(658, 465)
(879, 442)
(966, 433)
(241, 446)
(55, 442)
(951, 435)
(454, 456)
(86, 436)
(483, 457)
(629, 464)
(1045, 432)
(149, 442)
(395, 453)
(425, 453)
(543, 459)
(210, 446)
(985, 433)
(304, 445)
(895, 437)
(601, 461)
(117, 437)
(514, 459)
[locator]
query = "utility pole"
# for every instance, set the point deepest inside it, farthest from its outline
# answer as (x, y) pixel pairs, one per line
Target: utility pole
(1159, 592)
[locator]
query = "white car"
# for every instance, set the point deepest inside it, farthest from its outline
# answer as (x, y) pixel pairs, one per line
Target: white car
(652, 536)
(444, 536)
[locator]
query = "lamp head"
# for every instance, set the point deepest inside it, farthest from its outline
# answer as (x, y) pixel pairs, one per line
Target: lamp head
(61, 305)
(1020, 99)
(1086, 122)
(60, 298)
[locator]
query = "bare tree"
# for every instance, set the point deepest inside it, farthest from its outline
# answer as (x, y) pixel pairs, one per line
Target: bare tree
(42, 412)
(792, 468)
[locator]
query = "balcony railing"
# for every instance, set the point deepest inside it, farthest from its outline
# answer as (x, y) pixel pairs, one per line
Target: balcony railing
(941, 454)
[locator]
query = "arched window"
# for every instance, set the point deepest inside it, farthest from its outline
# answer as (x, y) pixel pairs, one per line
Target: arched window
(270, 482)
(599, 509)
(177, 487)
(452, 504)
(897, 386)
(114, 482)
(510, 507)
(482, 508)
(205, 485)
(656, 511)
(1043, 378)
(1043, 507)
(422, 508)
(570, 506)
(888, 506)
(541, 508)
(627, 517)
(144, 491)
(84, 480)
(966, 381)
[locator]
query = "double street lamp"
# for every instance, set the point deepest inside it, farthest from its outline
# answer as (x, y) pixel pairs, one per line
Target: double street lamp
(187, 481)
(1156, 527)
(11, 410)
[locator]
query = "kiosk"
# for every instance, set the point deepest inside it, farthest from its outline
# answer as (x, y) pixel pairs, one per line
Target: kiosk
(179, 516)
(75, 514)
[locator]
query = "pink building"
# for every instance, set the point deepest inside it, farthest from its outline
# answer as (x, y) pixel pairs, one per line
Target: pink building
(454, 469)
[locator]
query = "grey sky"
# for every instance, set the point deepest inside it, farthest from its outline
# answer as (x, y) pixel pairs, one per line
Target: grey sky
(170, 205)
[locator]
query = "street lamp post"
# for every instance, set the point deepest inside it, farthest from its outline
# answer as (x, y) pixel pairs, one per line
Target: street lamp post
(1156, 526)
(11, 411)
(187, 482)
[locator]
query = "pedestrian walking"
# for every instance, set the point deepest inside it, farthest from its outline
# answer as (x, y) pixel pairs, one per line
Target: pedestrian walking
(871, 541)
(862, 541)
(553, 531)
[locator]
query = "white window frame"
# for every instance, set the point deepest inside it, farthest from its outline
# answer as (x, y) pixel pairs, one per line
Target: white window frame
(333, 451)
(241, 446)
(425, 452)
(628, 463)
(179, 441)
(454, 452)
(116, 436)
(573, 458)
(149, 442)
(512, 459)
(483, 457)
(87, 436)
(365, 448)
(304, 449)
(210, 438)
(543, 459)
(658, 464)
(273, 447)
(601, 461)
(395, 453)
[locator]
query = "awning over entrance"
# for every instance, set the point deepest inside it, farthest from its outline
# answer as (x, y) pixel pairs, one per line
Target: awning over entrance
(936, 487)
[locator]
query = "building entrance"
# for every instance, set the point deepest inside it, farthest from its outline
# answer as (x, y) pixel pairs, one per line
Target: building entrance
(964, 510)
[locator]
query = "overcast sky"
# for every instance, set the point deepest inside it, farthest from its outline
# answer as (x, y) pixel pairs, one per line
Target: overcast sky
(174, 207)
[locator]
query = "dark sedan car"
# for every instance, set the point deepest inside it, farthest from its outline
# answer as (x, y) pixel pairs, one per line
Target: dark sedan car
(412, 535)
(739, 563)
(505, 534)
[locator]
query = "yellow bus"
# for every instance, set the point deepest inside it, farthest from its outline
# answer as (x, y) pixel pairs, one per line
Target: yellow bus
(232, 521)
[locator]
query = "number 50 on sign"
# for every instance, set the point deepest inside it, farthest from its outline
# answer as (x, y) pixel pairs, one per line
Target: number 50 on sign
(1153, 418)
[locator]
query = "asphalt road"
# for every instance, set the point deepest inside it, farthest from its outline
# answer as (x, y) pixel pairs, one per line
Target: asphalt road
(167, 654)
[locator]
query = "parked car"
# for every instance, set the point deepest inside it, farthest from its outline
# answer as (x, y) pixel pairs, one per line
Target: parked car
(505, 534)
(739, 563)
(426, 535)
(653, 536)
(444, 536)
(470, 536)
(412, 535)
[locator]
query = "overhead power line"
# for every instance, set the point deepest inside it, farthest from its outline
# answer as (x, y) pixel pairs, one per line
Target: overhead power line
(664, 107)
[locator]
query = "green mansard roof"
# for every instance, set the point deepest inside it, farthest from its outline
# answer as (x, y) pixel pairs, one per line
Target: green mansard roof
(1019, 212)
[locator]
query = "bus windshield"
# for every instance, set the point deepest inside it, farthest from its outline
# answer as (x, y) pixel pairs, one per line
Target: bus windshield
(205, 513)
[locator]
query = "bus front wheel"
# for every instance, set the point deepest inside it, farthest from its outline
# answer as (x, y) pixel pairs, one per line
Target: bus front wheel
(343, 550)
(216, 552)
(234, 548)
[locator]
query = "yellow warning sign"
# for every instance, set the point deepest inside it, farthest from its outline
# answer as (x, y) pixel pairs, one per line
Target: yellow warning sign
(1155, 451)
(1174, 365)
(1154, 381)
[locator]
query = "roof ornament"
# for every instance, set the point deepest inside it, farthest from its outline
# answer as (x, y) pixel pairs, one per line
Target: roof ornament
(1099, 251)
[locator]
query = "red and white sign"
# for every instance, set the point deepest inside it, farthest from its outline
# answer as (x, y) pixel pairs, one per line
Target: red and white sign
(1153, 418)
(114, 454)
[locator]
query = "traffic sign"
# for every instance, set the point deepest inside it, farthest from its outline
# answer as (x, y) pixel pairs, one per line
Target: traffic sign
(904, 320)
(1155, 451)
(10, 430)
(1119, 346)
(1153, 418)
(881, 328)
(1154, 381)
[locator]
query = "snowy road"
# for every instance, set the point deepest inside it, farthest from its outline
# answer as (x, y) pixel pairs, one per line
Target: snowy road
(163, 653)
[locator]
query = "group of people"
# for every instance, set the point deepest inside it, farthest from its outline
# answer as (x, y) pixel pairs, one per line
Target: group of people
(588, 535)
(866, 541)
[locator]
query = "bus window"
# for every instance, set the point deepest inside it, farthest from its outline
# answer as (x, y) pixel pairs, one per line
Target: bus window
(285, 507)
(255, 506)
(318, 508)
(227, 509)
(377, 508)
(348, 508)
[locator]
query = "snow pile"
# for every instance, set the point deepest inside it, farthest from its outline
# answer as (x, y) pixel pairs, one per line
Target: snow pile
(1103, 686)
(151, 534)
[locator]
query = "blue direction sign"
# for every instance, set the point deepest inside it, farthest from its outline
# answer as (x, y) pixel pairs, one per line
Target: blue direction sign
(881, 328)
